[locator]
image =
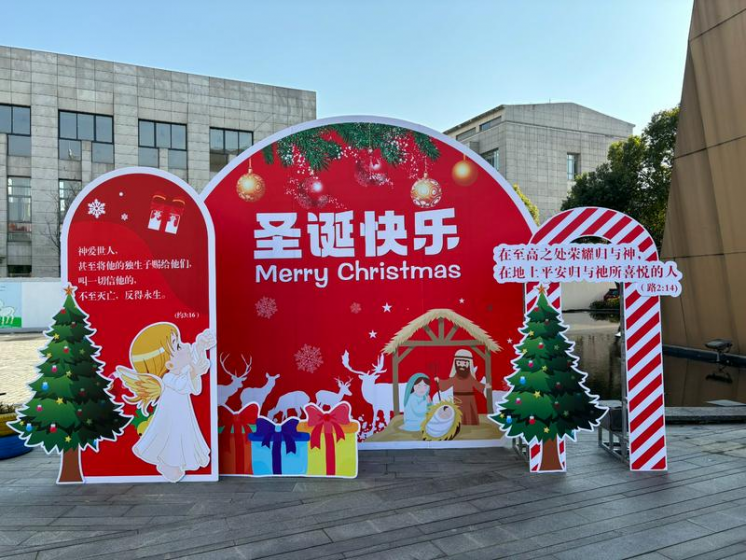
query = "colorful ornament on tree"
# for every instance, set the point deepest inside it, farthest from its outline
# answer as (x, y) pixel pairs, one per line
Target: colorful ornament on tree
(531, 420)
(44, 386)
(370, 169)
(53, 428)
(518, 401)
(541, 346)
(38, 408)
(464, 173)
(522, 380)
(509, 420)
(250, 186)
(54, 369)
(426, 192)
(66, 350)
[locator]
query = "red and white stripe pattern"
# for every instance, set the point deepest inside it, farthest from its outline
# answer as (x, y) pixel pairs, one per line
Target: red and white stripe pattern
(642, 327)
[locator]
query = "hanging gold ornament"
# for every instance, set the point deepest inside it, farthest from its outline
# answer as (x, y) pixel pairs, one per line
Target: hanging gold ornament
(464, 173)
(250, 187)
(426, 192)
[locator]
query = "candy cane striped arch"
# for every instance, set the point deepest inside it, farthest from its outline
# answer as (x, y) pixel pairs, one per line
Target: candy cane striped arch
(642, 328)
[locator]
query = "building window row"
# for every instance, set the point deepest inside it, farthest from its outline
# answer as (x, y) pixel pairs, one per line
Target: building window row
(19, 209)
(161, 135)
(97, 129)
(15, 121)
(490, 123)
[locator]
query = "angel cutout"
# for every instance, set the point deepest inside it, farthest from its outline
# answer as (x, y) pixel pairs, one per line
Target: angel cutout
(166, 371)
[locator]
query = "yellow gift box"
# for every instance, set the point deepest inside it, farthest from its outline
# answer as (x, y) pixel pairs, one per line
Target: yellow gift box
(333, 448)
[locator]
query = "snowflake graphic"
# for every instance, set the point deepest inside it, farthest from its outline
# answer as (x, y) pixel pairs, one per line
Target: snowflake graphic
(125, 217)
(356, 308)
(266, 307)
(308, 358)
(96, 208)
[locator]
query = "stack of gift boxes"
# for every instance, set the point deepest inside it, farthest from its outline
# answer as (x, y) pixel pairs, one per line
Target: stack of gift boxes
(323, 443)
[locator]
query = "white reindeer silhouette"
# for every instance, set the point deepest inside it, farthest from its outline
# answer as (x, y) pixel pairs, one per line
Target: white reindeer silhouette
(227, 391)
(379, 395)
(259, 394)
(332, 399)
(294, 400)
(7, 313)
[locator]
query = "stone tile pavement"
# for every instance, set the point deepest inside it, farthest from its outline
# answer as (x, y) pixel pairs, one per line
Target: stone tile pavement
(470, 504)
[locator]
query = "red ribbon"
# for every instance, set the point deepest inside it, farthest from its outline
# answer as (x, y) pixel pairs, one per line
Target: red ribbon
(233, 422)
(330, 424)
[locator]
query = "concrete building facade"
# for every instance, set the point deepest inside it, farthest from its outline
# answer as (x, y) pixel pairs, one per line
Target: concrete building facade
(64, 120)
(542, 147)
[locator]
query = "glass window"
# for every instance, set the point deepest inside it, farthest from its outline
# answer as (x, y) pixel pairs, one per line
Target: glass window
(231, 141)
(216, 140)
(245, 140)
(102, 153)
(147, 134)
(466, 134)
(148, 157)
(70, 150)
(19, 204)
(68, 191)
(177, 159)
(19, 145)
(68, 125)
(218, 160)
(21, 120)
(573, 166)
(104, 129)
(162, 135)
(19, 270)
(6, 121)
(178, 136)
(85, 127)
(493, 158)
(489, 124)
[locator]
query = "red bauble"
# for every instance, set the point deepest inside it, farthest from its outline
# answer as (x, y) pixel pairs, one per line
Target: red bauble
(80, 412)
(66, 350)
(38, 408)
(370, 170)
(53, 428)
(541, 345)
(558, 385)
(464, 173)
(63, 312)
(313, 192)
(556, 404)
(531, 420)
(518, 401)
(74, 323)
(54, 369)
(530, 363)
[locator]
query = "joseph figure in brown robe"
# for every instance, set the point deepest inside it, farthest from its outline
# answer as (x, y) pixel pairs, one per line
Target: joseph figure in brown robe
(464, 384)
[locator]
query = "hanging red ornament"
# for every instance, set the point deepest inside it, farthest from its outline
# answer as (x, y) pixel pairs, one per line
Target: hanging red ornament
(79, 412)
(53, 428)
(74, 324)
(531, 420)
(426, 192)
(531, 363)
(54, 369)
(250, 187)
(518, 401)
(370, 169)
(556, 404)
(464, 173)
(38, 408)
(541, 345)
(66, 350)
(558, 385)
(63, 312)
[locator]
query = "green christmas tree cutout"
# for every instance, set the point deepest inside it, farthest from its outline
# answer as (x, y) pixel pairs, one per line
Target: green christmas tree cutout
(548, 399)
(71, 408)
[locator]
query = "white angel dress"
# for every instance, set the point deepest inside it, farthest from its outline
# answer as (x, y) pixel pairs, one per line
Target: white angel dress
(173, 438)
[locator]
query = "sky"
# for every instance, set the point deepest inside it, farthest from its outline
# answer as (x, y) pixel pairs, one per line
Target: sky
(434, 62)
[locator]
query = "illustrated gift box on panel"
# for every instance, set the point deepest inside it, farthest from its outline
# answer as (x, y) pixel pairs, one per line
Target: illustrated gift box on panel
(233, 438)
(279, 449)
(165, 215)
(333, 444)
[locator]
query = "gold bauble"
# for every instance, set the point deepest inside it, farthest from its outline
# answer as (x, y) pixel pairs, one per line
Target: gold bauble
(426, 192)
(250, 187)
(464, 173)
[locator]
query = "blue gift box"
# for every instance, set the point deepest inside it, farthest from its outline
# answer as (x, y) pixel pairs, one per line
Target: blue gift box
(279, 449)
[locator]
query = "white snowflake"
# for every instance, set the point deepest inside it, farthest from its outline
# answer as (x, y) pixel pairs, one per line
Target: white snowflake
(125, 217)
(96, 208)
(356, 308)
(266, 307)
(308, 358)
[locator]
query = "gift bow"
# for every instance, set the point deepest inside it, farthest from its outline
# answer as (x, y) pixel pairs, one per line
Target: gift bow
(327, 422)
(267, 431)
(234, 421)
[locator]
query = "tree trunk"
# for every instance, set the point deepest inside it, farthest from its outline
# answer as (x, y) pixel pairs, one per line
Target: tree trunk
(70, 468)
(550, 460)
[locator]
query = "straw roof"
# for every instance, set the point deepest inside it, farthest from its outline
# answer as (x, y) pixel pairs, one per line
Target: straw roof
(477, 332)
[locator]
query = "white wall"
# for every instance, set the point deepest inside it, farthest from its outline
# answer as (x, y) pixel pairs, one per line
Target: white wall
(40, 299)
(580, 295)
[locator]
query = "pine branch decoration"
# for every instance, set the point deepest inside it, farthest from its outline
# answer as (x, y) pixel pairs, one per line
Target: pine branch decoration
(320, 146)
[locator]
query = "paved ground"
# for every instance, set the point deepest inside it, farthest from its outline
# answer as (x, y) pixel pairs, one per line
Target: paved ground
(404, 505)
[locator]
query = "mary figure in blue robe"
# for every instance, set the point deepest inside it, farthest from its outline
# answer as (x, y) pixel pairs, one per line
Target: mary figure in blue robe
(416, 401)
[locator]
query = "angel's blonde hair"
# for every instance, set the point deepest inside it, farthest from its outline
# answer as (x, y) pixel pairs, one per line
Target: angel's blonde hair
(150, 353)
(151, 350)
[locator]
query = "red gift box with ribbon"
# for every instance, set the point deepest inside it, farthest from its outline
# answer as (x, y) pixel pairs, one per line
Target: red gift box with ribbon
(333, 445)
(234, 448)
